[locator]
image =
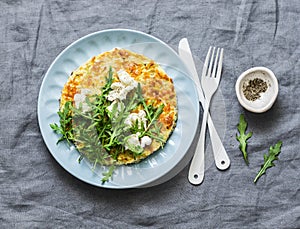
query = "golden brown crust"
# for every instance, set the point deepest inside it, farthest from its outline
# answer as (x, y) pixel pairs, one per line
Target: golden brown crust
(157, 88)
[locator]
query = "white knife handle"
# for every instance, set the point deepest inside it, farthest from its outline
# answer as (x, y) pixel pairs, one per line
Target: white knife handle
(221, 158)
(196, 171)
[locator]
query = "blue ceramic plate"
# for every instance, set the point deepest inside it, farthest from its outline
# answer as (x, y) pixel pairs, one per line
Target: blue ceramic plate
(158, 165)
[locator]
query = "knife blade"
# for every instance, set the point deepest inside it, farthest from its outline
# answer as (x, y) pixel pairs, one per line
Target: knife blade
(222, 160)
(186, 56)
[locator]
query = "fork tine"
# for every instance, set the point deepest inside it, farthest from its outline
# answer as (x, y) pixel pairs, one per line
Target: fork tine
(211, 62)
(204, 70)
(215, 64)
(220, 64)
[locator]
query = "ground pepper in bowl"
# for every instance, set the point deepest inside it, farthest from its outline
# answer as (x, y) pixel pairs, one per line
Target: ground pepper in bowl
(253, 88)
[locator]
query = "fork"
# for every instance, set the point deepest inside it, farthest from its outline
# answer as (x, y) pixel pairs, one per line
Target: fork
(222, 160)
(210, 79)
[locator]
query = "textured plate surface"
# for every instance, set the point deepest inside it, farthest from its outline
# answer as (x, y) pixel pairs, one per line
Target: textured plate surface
(157, 165)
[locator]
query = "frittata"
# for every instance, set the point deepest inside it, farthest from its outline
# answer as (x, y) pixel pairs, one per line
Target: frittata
(130, 73)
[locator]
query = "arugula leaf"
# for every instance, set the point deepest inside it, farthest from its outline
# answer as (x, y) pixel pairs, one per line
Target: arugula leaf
(107, 175)
(243, 137)
(109, 81)
(274, 151)
(65, 128)
(116, 134)
(152, 112)
(87, 141)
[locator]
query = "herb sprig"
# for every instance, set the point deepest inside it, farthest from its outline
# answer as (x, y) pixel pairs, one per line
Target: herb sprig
(274, 151)
(108, 174)
(65, 120)
(153, 114)
(243, 137)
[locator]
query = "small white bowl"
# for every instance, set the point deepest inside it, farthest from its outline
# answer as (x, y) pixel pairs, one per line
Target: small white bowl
(267, 98)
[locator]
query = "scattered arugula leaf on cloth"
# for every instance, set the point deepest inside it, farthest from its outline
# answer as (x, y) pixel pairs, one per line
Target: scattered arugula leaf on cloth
(243, 137)
(268, 159)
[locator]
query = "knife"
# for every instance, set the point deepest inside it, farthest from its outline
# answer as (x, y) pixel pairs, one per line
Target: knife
(222, 160)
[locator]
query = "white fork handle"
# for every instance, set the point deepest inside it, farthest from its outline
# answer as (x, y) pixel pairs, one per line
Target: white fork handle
(196, 171)
(221, 158)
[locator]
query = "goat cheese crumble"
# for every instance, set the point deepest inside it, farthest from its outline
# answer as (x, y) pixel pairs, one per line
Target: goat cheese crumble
(122, 88)
(115, 107)
(133, 143)
(79, 99)
(140, 118)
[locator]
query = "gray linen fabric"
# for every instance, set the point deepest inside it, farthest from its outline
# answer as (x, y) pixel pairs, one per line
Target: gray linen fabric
(36, 192)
